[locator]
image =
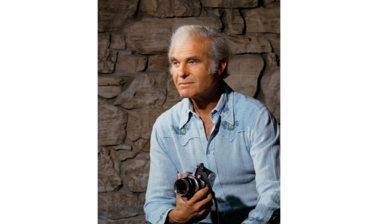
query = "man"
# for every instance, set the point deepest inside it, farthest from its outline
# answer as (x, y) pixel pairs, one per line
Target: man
(233, 135)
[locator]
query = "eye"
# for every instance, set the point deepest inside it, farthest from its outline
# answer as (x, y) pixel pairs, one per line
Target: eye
(192, 62)
(175, 63)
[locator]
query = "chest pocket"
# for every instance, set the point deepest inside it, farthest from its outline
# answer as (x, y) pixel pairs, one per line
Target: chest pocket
(228, 130)
(184, 134)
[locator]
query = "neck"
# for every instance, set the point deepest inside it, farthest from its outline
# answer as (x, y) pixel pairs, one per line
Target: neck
(203, 105)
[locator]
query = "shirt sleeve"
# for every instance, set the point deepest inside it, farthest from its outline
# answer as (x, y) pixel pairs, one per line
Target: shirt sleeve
(265, 152)
(160, 196)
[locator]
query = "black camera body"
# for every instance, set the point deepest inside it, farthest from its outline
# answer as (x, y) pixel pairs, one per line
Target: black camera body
(190, 183)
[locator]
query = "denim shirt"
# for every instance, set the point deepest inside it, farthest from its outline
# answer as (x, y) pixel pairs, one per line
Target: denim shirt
(243, 151)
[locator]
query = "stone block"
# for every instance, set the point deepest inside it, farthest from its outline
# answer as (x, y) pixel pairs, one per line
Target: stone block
(106, 57)
(270, 91)
(149, 36)
(108, 171)
(230, 3)
(110, 81)
(131, 63)
(213, 22)
(122, 147)
(275, 42)
(137, 173)
(109, 91)
(249, 43)
(233, 21)
(173, 95)
(118, 205)
(146, 91)
(118, 42)
(112, 124)
(158, 63)
(142, 144)
(141, 123)
(262, 20)
(103, 44)
(244, 71)
(123, 155)
(113, 14)
(170, 8)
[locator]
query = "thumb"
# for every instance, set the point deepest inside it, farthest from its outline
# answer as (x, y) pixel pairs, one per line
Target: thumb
(180, 175)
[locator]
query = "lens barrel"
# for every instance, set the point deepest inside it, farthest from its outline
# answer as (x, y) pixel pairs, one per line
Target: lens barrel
(186, 186)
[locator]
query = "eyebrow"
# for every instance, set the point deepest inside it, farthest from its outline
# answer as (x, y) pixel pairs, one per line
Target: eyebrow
(195, 58)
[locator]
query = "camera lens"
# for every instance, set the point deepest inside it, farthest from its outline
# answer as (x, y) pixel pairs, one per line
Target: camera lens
(181, 187)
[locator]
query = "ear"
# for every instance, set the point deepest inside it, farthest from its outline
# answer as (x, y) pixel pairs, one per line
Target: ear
(221, 67)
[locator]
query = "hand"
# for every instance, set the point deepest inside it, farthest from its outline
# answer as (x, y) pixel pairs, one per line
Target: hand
(193, 210)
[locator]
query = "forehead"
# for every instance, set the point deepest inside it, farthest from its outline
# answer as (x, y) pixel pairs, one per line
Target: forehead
(190, 46)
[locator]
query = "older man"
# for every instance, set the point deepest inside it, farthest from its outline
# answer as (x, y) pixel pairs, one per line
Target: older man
(233, 135)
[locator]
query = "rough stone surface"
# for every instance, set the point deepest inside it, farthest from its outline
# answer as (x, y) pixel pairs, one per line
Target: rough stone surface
(151, 35)
(270, 91)
(265, 2)
(119, 204)
(137, 173)
(145, 91)
(213, 22)
(112, 124)
(132, 220)
(109, 91)
(112, 14)
(249, 43)
(262, 20)
(275, 42)
(122, 147)
(110, 81)
(108, 171)
(142, 144)
(131, 63)
(233, 21)
(106, 57)
(170, 8)
(173, 95)
(141, 123)
(118, 42)
(244, 71)
(123, 155)
(158, 63)
(230, 3)
(271, 59)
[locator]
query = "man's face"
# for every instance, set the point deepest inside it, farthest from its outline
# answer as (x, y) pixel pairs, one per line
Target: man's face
(190, 67)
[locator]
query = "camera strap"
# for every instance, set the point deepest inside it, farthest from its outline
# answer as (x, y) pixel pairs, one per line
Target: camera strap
(202, 172)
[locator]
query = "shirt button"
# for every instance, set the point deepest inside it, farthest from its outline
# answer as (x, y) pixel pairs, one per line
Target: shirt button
(200, 128)
(208, 152)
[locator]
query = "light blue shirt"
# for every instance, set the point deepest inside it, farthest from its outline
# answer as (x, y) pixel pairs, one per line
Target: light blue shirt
(243, 150)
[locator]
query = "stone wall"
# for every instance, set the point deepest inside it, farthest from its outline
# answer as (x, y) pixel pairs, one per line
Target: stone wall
(135, 87)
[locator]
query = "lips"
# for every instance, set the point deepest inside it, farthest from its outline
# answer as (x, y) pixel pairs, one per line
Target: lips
(185, 83)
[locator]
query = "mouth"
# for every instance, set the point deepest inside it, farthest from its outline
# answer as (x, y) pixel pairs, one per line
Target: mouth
(185, 83)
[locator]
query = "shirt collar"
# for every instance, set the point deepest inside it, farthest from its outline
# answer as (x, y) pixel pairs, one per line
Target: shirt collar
(224, 107)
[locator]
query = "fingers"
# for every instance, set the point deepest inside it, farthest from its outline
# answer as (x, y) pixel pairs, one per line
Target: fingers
(200, 194)
(180, 175)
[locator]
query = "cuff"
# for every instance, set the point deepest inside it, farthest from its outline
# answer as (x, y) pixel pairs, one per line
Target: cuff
(254, 220)
(163, 216)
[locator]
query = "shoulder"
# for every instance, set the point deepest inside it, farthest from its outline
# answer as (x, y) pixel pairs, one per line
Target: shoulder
(243, 102)
(247, 109)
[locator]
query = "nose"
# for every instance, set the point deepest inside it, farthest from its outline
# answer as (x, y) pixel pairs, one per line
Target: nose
(182, 71)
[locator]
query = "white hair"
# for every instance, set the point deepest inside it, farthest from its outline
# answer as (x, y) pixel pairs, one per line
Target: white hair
(218, 45)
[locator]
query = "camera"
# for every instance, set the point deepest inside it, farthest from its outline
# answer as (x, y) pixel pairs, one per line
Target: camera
(190, 183)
